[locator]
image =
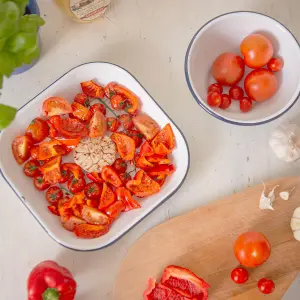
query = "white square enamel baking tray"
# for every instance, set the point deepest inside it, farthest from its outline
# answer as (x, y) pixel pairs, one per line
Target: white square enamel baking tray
(68, 86)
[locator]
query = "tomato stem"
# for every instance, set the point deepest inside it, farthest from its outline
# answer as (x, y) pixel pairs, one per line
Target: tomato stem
(51, 294)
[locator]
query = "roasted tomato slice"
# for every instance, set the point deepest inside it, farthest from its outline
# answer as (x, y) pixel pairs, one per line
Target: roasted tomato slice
(81, 112)
(117, 102)
(31, 168)
(72, 222)
(125, 177)
(161, 170)
(185, 282)
(82, 99)
(76, 185)
(132, 101)
(98, 106)
(126, 121)
(159, 159)
(160, 179)
(142, 185)
(54, 194)
(125, 145)
(88, 231)
(113, 124)
(143, 163)
(115, 210)
(146, 149)
(109, 175)
(70, 128)
(53, 133)
(94, 216)
(37, 130)
(136, 136)
(110, 89)
(95, 177)
(51, 170)
(34, 152)
(97, 126)
(53, 209)
(92, 203)
(68, 142)
(125, 196)
(54, 106)
(164, 142)
(146, 125)
(40, 183)
(65, 175)
(74, 169)
(107, 197)
(92, 89)
(120, 165)
(50, 149)
(21, 146)
(93, 191)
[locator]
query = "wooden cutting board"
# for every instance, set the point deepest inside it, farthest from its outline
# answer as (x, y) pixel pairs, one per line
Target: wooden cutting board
(202, 241)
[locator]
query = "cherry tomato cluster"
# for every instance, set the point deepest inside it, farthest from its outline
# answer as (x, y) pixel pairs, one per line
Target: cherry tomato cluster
(87, 203)
(252, 249)
(228, 70)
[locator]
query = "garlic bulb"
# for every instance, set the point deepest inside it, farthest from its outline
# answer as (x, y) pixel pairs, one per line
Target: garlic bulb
(285, 142)
(295, 223)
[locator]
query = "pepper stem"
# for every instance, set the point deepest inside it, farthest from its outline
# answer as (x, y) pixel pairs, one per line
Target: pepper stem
(51, 294)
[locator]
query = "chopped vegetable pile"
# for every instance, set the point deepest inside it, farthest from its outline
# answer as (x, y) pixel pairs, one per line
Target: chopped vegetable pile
(90, 193)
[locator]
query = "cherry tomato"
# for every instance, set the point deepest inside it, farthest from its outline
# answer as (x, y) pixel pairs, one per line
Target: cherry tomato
(245, 104)
(136, 136)
(266, 286)
(228, 69)
(21, 146)
(97, 126)
(120, 165)
(117, 102)
(93, 191)
(56, 106)
(65, 176)
(214, 99)
(98, 106)
(239, 275)
(257, 50)
(37, 130)
(40, 183)
(113, 124)
(126, 121)
(275, 64)
(226, 101)
(54, 194)
(76, 185)
(215, 87)
(125, 177)
(31, 168)
(252, 249)
(82, 99)
(236, 93)
(260, 85)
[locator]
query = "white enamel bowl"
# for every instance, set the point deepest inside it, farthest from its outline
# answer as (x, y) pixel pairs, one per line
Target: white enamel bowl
(68, 86)
(224, 34)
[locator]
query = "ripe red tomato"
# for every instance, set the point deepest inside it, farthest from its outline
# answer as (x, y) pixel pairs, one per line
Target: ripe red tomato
(215, 87)
(117, 102)
(31, 168)
(275, 64)
(236, 93)
(214, 99)
(126, 121)
(257, 50)
(93, 191)
(97, 126)
(125, 177)
(70, 128)
(65, 175)
(40, 183)
(226, 101)
(76, 185)
(54, 194)
(82, 99)
(266, 286)
(239, 275)
(120, 165)
(21, 146)
(98, 106)
(228, 69)
(260, 85)
(252, 249)
(245, 104)
(37, 130)
(113, 124)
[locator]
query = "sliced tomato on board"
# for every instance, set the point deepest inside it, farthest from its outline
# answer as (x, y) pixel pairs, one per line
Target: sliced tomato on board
(51, 170)
(54, 106)
(70, 128)
(88, 231)
(125, 196)
(164, 142)
(109, 175)
(115, 210)
(185, 282)
(81, 112)
(97, 126)
(92, 89)
(146, 125)
(125, 145)
(107, 197)
(21, 146)
(142, 185)
(37, 130)
(94, 216)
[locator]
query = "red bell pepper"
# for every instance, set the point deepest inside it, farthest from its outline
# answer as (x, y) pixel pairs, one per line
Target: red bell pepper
(124, 195)
(50, 281)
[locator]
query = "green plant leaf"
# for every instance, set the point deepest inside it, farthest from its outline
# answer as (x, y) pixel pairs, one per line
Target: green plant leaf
(2, 42)
(7, 63)
(21, 41)
(7, 114)
(1, 81)
(9, 18)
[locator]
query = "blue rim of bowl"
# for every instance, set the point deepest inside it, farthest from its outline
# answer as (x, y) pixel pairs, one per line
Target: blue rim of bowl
(211, 112)
(163, 201)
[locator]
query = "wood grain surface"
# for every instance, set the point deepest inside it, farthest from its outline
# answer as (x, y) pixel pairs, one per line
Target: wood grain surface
(202, 241)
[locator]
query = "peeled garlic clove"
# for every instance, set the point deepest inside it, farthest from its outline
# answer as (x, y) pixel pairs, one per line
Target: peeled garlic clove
(297, 235)
(295, 223)
(284, 195)
(265, 203)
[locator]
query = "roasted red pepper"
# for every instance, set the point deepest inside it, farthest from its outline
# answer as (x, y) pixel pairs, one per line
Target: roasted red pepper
(143, 163)
(146, 149)
(107, 197)
(109, 175)
(50, 281)
(92, 89)
(51, 170)
(74, 169)
(115, 209)
(124, 195)
(95, 177)
(161, 170)
(164, 142)
(125, 145)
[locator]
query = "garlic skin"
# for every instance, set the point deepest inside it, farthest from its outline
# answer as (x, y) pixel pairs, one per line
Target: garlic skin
(271, 195)
(295, 223)
(285, 142)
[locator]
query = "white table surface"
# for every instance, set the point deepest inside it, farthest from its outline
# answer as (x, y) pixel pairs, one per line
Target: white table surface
(149, 38)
